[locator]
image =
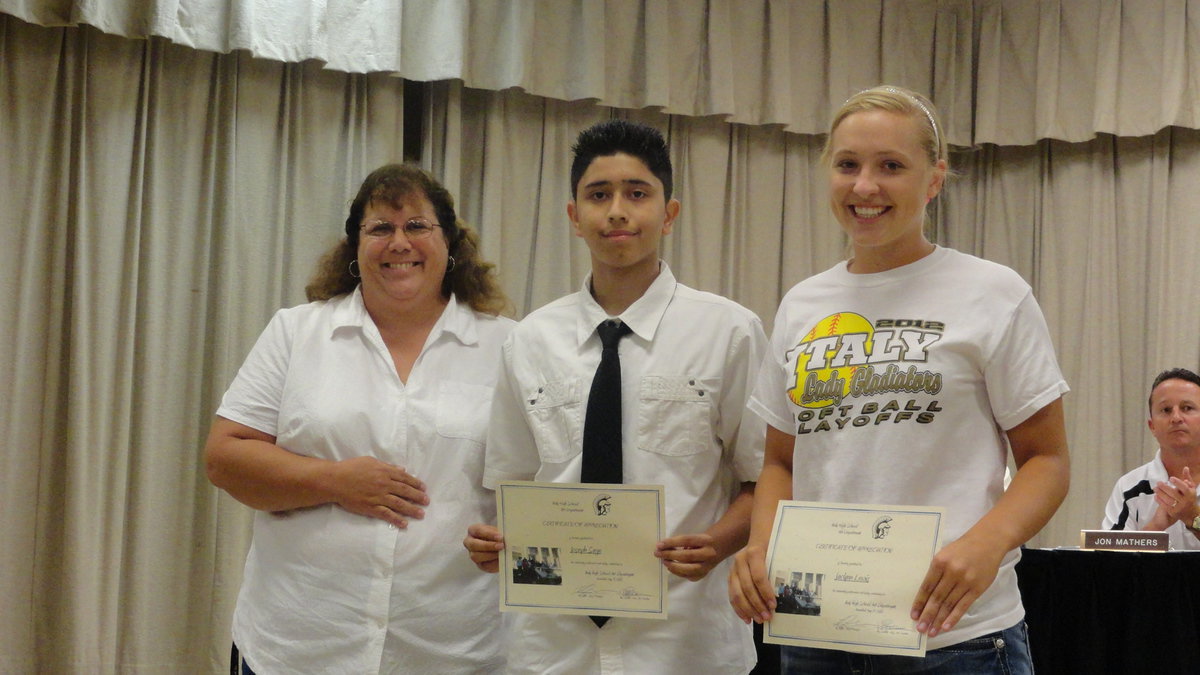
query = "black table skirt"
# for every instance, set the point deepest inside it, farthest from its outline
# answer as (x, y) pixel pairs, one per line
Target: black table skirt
(1112, 612)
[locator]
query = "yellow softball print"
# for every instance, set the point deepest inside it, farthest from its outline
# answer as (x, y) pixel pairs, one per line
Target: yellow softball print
(815, 355)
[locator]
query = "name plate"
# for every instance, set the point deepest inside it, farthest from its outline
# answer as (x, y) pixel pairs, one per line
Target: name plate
(1124, 540)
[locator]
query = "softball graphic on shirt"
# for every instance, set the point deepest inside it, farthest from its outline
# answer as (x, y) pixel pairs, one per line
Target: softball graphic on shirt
(822, 379)
(847, 356)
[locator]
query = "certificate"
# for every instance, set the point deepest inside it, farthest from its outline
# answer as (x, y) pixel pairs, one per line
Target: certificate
(582, 548)
(845, 575)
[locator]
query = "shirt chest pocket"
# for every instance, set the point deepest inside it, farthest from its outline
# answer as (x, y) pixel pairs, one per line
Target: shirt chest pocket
(677, 414)
(555, 411)
(462, 410)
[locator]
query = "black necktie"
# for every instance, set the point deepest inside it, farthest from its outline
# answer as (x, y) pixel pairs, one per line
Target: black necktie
(602, 425)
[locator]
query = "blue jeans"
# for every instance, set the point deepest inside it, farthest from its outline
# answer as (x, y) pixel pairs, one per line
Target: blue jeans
(1002, 653)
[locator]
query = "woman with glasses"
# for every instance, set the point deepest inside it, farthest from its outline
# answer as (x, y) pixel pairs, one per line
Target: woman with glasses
(356, 429)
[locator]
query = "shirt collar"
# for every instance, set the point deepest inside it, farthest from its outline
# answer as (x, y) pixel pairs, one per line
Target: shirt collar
(459, 321)
(642, 317)
(1160, 467)
(456, 320)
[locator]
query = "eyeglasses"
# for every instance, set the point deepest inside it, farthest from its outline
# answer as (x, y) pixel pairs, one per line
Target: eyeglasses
(414, 228)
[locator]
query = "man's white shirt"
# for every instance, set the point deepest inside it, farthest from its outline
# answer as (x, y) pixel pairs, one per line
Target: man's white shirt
(1132, 504)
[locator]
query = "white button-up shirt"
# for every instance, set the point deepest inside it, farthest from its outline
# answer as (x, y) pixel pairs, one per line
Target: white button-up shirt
(329, 591)
(686, 372)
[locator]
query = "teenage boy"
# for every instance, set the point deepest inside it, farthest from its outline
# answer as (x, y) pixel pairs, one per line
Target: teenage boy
(686, 370)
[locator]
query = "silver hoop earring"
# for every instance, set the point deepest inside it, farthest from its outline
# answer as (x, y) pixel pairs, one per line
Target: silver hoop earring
(450, 264)
(352, 268)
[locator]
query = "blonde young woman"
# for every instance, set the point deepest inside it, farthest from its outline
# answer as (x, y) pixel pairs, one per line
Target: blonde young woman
(948, 359)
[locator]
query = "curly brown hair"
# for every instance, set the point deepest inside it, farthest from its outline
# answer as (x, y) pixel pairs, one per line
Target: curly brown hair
(471, 279)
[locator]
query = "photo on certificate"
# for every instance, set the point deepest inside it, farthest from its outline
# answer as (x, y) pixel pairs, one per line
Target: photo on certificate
(845, 575)
(798, 592)
(582, 548)
(535, 565)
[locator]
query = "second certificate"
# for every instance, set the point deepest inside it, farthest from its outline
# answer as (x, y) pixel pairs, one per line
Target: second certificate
(582, 549)
(845, 575)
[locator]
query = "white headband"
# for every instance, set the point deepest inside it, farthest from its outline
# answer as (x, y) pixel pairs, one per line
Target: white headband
(937, 139)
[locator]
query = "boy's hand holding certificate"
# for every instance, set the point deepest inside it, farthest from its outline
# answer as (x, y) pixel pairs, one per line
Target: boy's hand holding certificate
(582, 549)
(845, 575)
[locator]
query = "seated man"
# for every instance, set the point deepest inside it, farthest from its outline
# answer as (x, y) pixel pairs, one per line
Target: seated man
(1161, 495)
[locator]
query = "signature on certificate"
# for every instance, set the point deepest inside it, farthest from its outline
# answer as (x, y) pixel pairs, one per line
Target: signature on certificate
(630, 593)
(590, 591)
(854, 623)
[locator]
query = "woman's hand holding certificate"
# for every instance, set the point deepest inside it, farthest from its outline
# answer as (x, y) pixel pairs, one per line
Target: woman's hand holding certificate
(958, 575)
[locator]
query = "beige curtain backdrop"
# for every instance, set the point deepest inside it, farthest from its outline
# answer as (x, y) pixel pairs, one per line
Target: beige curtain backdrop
(158, 204)
(1009, 72)
(160, 201)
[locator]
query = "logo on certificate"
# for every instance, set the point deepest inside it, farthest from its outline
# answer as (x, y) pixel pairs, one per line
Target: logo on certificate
(882, 527)
(602, 504)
